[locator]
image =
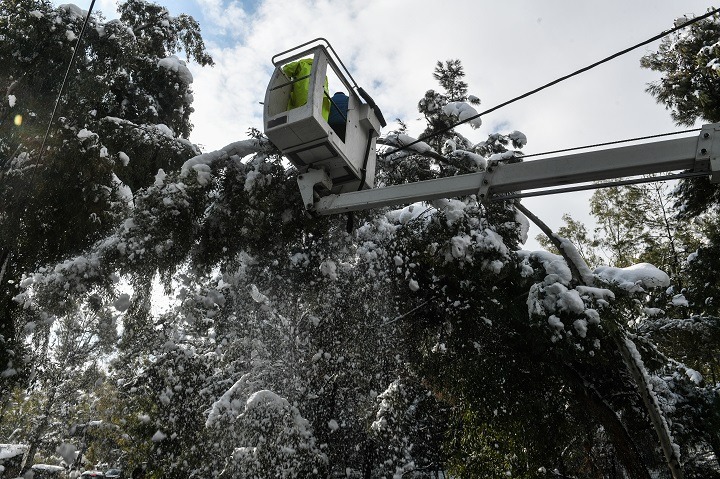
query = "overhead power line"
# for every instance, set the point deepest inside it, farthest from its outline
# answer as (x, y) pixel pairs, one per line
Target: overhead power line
(600, 185)
(558, 80)
(607, 143)
(65, 80)
(57, 101)
(56, 108)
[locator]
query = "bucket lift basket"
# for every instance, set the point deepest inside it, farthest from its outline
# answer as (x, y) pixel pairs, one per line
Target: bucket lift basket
(306, 138)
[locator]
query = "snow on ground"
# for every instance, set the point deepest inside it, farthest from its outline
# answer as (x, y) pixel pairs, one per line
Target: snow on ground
(11, 450)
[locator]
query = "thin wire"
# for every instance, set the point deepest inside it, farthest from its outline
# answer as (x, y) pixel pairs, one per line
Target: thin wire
(555, 82)
(26, 191)
(65, 79)
(597, 186)
(616, 142)
(405, 314)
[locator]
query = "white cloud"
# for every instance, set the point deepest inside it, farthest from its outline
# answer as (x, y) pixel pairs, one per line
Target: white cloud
(107, 7)
(229, 18)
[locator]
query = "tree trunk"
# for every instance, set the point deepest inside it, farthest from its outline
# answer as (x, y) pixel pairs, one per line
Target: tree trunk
(634, 366)
(9, 356)
(626, 451)
(34, 441)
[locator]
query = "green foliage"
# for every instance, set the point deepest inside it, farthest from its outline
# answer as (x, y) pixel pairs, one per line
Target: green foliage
(688, 60)
(409, 428)
(156, 30)
(450, 76)
(639, 223)
(123, 114)
(686, 323)
(615, 214)
(480, 451)
(124, 110)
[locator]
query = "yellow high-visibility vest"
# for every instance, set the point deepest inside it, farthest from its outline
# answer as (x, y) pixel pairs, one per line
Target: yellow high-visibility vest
(299, 92)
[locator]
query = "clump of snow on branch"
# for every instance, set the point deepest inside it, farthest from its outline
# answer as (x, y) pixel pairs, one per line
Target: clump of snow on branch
(409, 213)
(239, 148)
(274, 440)
(479, 162)
(174, 64)
(73, 11)
(635, 278)
(553, 264)
(227, 407)
(518, 138)
(400, 140)
(463, 111)
(567, 309)
(574, 256)
(524, 224)
(169, 196)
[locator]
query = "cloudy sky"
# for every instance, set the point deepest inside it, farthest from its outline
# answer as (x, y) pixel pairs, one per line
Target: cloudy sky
(391, 47)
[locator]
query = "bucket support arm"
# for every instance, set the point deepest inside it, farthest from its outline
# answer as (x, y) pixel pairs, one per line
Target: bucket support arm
(699, 154)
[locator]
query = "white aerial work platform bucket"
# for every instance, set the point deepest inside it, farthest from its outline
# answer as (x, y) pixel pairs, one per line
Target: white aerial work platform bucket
(330, 159)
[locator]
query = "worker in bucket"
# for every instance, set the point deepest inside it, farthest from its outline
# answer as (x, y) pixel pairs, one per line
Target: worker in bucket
(338, 114)
(299, 73)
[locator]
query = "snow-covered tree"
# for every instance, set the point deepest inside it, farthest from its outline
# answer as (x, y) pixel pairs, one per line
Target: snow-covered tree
(123, 114)
(294, 348)
(689, 61)
(686, 326)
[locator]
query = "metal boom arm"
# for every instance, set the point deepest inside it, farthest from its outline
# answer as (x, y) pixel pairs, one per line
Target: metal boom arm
(699, 154)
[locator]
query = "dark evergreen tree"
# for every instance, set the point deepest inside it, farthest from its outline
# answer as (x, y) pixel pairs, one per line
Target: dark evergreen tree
(689, 62)
(124, 113)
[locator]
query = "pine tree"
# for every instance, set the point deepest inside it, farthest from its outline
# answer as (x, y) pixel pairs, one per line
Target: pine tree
(689, 62)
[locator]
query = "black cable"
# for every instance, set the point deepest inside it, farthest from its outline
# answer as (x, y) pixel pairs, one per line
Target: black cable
(616, 142)
(597, 186)
(26, 191)
(555, 82)
(64, 82)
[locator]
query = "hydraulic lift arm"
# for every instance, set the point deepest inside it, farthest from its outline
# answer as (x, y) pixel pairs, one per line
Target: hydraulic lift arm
(700, 155)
